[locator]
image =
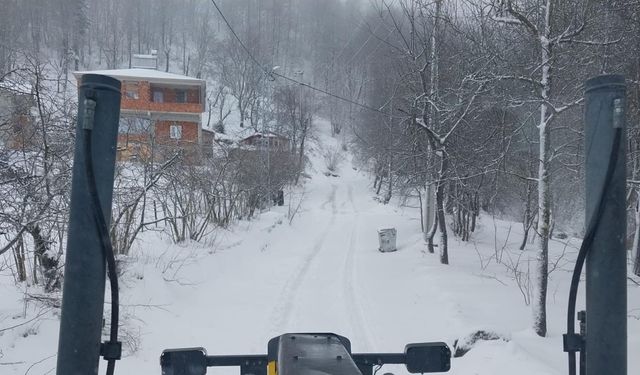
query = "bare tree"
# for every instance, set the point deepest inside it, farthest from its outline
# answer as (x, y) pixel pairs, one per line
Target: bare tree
(547, 28)
(36, 174)
(295, 109)
(242, 77)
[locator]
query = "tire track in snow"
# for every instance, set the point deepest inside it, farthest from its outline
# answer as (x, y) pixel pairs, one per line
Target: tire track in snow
(331, 199)
(334, 210)
(353, 203)
(354, 309)
(282, 312)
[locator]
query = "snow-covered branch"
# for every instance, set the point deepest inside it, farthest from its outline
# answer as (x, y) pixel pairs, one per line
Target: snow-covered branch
(464, 113)
(590, 42)
(518, 78)
(517, 18)
(432, 134)
(558, 110)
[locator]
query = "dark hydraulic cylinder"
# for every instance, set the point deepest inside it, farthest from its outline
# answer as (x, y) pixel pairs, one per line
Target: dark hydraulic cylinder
(84, 276)
(606, 266)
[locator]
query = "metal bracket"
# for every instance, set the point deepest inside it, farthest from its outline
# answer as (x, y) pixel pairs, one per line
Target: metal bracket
(572, 343)
(111, 350)
(618, 113)
(89, 113)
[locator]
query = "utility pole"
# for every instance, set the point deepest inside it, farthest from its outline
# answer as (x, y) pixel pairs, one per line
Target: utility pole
(84, 277)
(606, 262)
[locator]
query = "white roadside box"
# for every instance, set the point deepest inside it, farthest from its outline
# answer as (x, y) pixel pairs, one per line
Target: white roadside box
(387, 238)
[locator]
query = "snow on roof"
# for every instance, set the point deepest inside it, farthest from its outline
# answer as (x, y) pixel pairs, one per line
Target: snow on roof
(150, 75)
(224, 137)
(145, 56)
(265, 135)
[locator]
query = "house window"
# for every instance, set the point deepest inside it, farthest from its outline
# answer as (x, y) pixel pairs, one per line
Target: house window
(131, 91)
(158, 96)
(175, 131)
(181, 96)
(132, 94)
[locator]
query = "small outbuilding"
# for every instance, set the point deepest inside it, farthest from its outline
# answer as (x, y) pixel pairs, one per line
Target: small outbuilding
(273, 141)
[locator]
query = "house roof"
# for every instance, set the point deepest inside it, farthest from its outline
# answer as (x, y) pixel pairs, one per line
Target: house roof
(150, 75)
(264, 135)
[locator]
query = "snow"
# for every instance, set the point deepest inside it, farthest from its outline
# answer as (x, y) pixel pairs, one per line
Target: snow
(224, 138)
(265, 135)
(151, 75)
(323, 272)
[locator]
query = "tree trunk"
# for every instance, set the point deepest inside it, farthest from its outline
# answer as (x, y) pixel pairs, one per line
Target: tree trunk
(525, 237)
(48, 263)
(457, 223)
(433, 79)
(636, 263)
(475, 211)
(431, 235)
(444, 252)
(527, 219)
(433, 123)
(301, 152)
(440, 186)
(467, 223)
(428, 213)
(20, 257)
(422, 214)
(636, 237)
(544, 194)
(387, 197)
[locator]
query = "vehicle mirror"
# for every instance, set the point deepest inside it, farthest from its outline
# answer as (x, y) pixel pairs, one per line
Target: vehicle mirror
(427, 357)
(190, 361)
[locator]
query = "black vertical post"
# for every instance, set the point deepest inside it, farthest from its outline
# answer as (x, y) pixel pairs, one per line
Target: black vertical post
(606, 267)
(84, 276)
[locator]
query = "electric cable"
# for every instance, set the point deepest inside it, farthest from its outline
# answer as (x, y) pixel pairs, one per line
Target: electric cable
(329, 93)
(364, 44)
(587, 243)
(107, 249)
(272, 73)
(238, 38)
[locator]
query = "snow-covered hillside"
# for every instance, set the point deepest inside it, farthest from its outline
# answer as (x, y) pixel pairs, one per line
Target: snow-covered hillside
(322, 272)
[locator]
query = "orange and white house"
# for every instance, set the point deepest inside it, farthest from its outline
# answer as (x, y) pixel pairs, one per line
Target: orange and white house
(158, 108)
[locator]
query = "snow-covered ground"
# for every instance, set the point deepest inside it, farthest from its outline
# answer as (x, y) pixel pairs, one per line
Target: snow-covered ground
(323, 272)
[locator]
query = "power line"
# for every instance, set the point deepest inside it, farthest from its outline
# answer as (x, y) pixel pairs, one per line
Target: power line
(344, 48)
(363, 45)
(353, 34)
(238, 38)
(391, 31)
(272, 73)
(329, 93)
